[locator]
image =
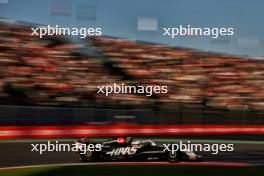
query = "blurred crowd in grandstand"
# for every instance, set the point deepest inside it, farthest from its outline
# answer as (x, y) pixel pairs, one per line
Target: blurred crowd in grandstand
(54, 72)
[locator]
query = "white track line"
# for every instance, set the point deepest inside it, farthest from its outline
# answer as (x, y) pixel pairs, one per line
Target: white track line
(132, 163)
(49, 165)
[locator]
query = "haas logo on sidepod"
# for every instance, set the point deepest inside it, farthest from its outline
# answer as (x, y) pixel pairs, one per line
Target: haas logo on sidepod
(123, 151)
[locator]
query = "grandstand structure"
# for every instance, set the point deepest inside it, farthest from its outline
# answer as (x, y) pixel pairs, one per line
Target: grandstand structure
(193, 77)
(54, 72)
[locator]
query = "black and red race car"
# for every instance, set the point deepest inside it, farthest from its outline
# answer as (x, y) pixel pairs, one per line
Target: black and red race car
(127, 149)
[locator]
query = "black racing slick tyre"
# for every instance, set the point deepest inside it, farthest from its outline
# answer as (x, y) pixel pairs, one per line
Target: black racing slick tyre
(88, 156)
(173, 156)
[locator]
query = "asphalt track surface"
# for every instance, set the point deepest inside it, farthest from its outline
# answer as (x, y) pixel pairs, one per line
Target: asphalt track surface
(14, 154)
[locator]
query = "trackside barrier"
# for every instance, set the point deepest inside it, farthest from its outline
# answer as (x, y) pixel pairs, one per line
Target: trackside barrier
(19, 132)
(173, 115)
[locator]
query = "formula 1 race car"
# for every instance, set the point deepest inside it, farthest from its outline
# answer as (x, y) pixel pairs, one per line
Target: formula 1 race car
(127, 149)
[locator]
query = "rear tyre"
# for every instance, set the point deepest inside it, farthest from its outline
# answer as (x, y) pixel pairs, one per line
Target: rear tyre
(173, 156)
(88, 156)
